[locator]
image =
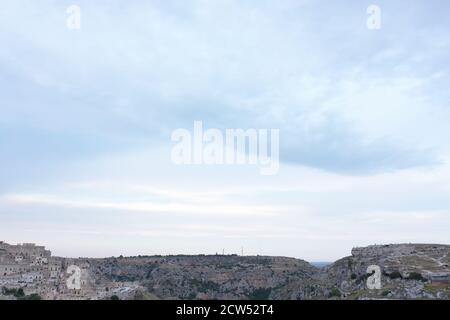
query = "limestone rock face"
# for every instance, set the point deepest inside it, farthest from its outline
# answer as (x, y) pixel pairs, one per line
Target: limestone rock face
(406, 271)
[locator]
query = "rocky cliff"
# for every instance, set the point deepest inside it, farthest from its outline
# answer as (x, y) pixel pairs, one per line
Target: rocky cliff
(406, 271)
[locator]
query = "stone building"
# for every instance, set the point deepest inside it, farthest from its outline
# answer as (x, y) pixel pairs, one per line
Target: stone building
(439, 278)
(25, 251)
(23, 264)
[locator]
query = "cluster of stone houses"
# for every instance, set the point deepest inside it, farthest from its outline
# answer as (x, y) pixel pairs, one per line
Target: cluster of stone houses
(27, 265)
(32, 268)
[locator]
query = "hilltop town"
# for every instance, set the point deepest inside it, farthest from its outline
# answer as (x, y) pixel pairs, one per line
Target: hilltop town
(408, 271)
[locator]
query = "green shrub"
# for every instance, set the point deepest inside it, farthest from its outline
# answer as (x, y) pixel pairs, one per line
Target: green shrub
(416, 276)
(19, 293)
(364, 277)
(33, 296)
(385, 293)
(394, 275)
(335, 293)
(260, 294)
(349, 264)
(8, 292)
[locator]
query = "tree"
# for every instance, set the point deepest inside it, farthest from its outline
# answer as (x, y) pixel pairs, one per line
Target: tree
(416, 276)
(19, 293)
(33, 296)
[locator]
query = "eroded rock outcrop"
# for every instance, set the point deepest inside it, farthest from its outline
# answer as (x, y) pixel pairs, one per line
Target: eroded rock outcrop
(405, 271)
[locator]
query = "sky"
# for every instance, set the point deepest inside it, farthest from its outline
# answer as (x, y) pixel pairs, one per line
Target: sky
(86, 117)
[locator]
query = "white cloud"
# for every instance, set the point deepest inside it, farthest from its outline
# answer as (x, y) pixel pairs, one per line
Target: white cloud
(86, 118)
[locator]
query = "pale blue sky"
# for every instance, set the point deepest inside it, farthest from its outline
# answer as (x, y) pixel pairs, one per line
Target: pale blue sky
(86, 119)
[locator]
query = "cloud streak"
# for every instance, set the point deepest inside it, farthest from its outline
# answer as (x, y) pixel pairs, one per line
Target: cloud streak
(86, 118)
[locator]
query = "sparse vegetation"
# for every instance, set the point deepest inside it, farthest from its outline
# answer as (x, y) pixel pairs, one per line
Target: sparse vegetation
(334, 292)
(385, 293)
(20, 294)
(394, 275)
(33, 296)
(416, 276)
(260, 294)
(204, 286)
